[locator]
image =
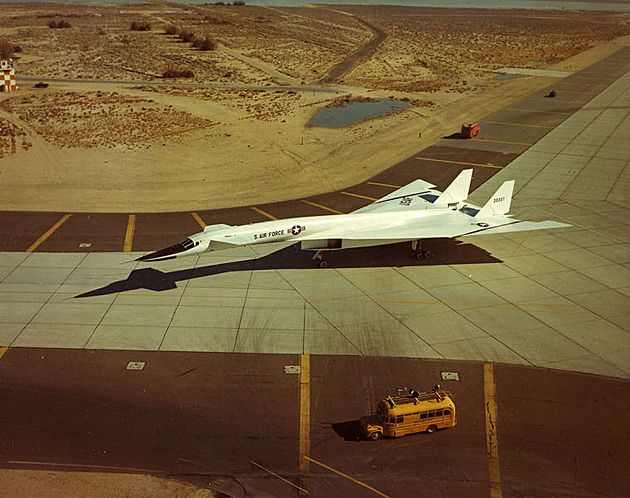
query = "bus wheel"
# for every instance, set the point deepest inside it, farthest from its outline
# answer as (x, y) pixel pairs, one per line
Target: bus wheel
(375, 436)
(431, 429)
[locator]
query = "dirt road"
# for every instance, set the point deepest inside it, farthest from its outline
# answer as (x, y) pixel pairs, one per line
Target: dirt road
(344, 67)
(182, 84)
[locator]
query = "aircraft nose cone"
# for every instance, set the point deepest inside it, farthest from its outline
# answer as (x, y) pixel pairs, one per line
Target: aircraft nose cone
(167, 253)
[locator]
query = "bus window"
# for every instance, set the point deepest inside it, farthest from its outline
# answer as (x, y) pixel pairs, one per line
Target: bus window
(447, 412)
(431, 413)
(399, 420)
(423, 415)
(438, 413)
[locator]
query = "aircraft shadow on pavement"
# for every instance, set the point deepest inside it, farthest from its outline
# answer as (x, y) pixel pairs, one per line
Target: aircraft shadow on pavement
(444, 252)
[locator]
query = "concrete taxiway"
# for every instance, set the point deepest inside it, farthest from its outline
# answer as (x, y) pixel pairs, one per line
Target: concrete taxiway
(556, 299)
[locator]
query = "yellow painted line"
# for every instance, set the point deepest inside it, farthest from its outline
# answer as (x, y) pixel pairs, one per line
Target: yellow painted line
(519, 124)
(131, 229)
(264, 213)
(539, 111)
(199, 220)
(325, 208)
(492, 441)
(48, 233)
(3, 350)
(383, 184)
(366, 486)
(501, 141)
(359, 196)
(302, 490)
(458, 162)
(305, 411)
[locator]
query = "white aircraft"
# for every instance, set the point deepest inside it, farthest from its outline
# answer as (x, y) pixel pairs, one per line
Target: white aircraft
(414, 212)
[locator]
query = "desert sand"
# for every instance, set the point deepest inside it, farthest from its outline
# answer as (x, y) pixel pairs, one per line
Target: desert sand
(111, 135)
(61, 484)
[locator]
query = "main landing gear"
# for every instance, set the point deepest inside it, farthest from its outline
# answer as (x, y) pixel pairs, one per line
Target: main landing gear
(320, 259)
(417, 252)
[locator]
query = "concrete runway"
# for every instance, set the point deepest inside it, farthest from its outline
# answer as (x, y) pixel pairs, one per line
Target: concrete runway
(556, 299)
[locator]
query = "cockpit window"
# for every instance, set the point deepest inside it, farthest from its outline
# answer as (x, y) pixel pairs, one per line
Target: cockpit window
(187, 243)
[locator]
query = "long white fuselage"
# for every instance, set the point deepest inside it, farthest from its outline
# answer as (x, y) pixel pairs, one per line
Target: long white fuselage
(304, 229)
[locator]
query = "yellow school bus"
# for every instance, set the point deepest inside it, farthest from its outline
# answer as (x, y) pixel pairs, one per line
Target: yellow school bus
(410, 412)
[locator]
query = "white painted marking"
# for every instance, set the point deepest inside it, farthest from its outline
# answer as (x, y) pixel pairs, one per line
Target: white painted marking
(292, 369)
(136, 365)
(450, 376)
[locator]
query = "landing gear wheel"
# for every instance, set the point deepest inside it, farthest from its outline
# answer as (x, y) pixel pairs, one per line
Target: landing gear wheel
(417, 252)
(432, 429)
(375, 436)
(323, 264)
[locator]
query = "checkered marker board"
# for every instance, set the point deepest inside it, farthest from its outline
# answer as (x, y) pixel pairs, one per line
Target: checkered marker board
(8, 82)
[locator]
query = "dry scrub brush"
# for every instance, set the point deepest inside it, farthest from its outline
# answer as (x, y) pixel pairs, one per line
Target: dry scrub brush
(101, 119)
(206, 43)
(171, 29)
(140, 26)
(7, 49)
(171, 72)
(186, 36)
(59, 24)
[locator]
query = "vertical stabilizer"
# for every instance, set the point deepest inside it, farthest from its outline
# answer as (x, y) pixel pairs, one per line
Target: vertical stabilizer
(499, 203)
(457, 191)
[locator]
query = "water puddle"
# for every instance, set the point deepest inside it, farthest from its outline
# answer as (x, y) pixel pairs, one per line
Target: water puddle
(350, 113)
